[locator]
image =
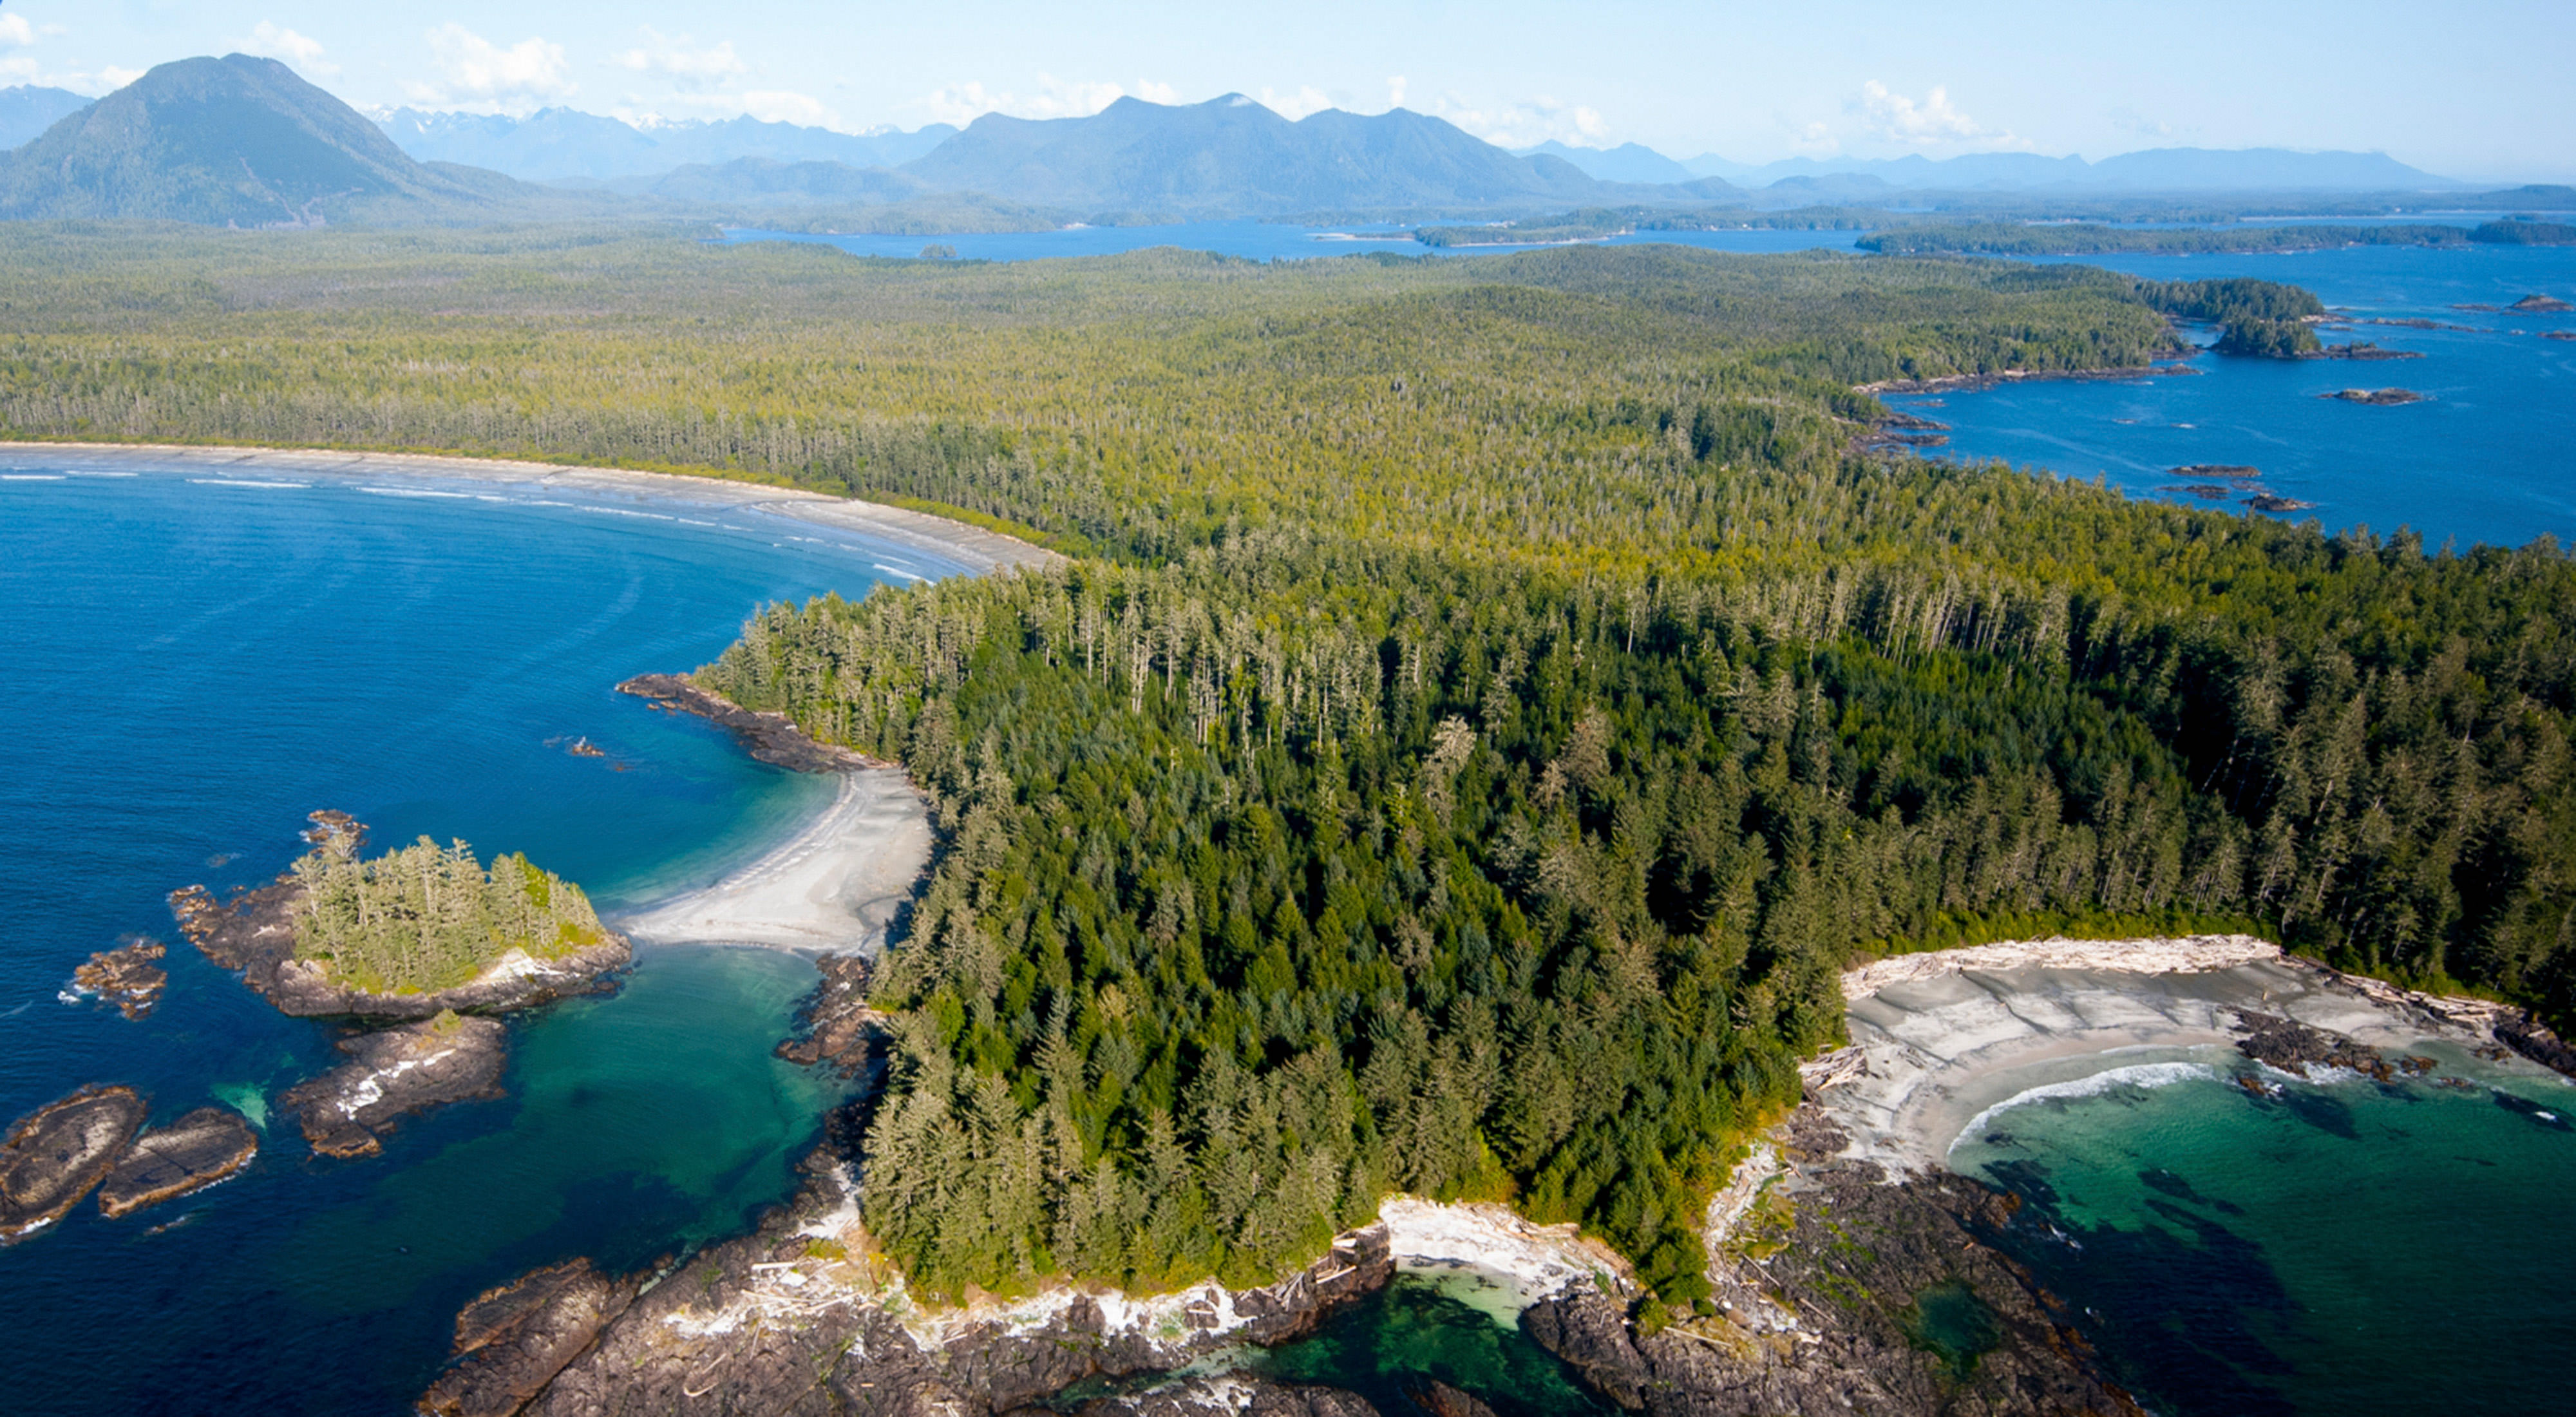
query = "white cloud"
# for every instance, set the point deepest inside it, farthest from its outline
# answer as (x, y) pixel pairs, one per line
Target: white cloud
(1527, 123)
(1891, 117)
(1395, 91)
(14, 29)
(1293, 106)
(278, 42)
(474, 73)
(1052, 98)
(684, 64)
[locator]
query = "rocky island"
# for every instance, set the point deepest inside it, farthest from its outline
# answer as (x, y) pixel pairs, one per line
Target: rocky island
(395, 1072)
(208, 1145)
(2540, 305)
(54, 1155)
(417, 932)
(2376, 398)
(125, 976)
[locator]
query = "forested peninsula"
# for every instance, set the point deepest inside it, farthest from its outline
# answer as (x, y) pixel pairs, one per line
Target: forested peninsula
(1489, 701)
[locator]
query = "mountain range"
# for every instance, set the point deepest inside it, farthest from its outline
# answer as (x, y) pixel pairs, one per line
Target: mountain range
(245, 141)
(563, 144)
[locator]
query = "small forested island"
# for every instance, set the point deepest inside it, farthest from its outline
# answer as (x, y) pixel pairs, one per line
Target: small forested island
(412, 933)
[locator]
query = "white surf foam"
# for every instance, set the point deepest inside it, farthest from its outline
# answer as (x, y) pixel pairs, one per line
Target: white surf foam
(417, 492)
(247, 482)
(2147, 1075)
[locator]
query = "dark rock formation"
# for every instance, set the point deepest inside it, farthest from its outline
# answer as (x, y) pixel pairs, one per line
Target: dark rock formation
(2540, 305)
(512, 1341)
(1831, 1319)
(2533, 1039)
(2361, 349)
(2218, 472)
(2273, 502)
(1241, 1397)
(254, 932)
(125, 976)
(2294, 1047)
(770, 737)
(208, 1145)
(2376, 398)
(54, 1154)
(394, 1073)
(1442, 1400)
(2205, 491)
(835, 1022)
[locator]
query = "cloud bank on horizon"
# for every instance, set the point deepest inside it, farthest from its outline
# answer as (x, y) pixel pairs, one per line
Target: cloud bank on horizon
(2474, 90)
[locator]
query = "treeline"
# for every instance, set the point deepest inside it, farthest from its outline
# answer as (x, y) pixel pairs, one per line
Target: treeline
(2261, 318)
(1494, 704)
(426, 917)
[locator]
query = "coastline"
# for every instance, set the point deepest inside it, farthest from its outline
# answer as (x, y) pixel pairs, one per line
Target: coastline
(953, 545)
(1942, 1038)
(832, 888)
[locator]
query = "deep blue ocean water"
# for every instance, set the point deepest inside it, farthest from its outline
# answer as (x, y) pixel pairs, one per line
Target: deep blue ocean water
(2490, 458)
(192, 664)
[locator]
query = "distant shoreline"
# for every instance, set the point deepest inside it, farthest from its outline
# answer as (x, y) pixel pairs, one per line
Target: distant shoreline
(964, 548)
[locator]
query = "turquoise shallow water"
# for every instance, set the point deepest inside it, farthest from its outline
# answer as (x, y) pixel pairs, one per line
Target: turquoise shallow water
(193, 663)
(2341, 1248)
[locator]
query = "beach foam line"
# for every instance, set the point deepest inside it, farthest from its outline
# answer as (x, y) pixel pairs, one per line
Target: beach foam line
(2140, 1075)
(897, 571)
(247, 482)
(416, 492)
(32, 476)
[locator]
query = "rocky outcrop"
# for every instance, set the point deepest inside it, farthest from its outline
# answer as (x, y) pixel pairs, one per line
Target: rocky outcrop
(2540, 305)
(2376, 398)
(394, 1073)
(803, 1317)
(125, 976)
(254, 932)
(513, 1340)
(835, 1022)
(1820, 1302)
(1236, 1396)
(2294, 1047)
(208, 1145)
(771, 737)
(55, 1154)
(2532, 1039)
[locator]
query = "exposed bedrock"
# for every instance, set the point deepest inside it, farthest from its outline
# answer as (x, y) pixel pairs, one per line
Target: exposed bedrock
(1236, 1396)
(1822, 1298)
(55, 1154)
(770, 737)
(394, 1073)
(511, 1341)
(835, 1024)
(125, 976)
(208, 1145)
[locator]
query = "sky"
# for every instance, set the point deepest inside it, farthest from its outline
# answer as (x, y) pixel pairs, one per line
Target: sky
(2475, 89)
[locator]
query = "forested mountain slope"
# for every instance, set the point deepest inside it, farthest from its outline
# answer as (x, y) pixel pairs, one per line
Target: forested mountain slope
(1491, 703)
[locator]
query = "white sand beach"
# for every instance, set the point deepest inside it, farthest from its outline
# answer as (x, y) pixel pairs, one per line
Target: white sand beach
(928, 546)
(831, 889)
(1938, 1038)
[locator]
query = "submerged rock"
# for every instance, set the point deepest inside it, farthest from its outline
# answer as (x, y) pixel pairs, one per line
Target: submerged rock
(125, 976)
(394, 1073)
(55, 1154)
(511, 1341)
(208, 1145)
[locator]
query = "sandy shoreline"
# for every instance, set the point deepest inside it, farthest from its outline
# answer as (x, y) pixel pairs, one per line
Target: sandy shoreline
(833, 888)
(950, 547)
(1937, 1039)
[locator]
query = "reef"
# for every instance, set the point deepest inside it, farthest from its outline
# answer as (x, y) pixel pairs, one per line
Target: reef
(2294, 1047)
(2217, 472)
(254, 932)
(55, 1154)
(2205, 491)
(2274, 502)
(2376, 398)
(125, 976)
(770, 737)
(2361, 349)
(395, 1073)
(2541, 305)
(208, 1145)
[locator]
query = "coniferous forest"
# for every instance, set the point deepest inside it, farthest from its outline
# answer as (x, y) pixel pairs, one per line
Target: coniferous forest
(426, 917)
(1488, 702)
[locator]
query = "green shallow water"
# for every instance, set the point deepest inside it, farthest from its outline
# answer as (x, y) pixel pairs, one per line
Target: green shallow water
(2340, 1248)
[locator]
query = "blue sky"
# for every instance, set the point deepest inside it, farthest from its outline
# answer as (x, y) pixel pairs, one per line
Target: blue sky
(2471, 88)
